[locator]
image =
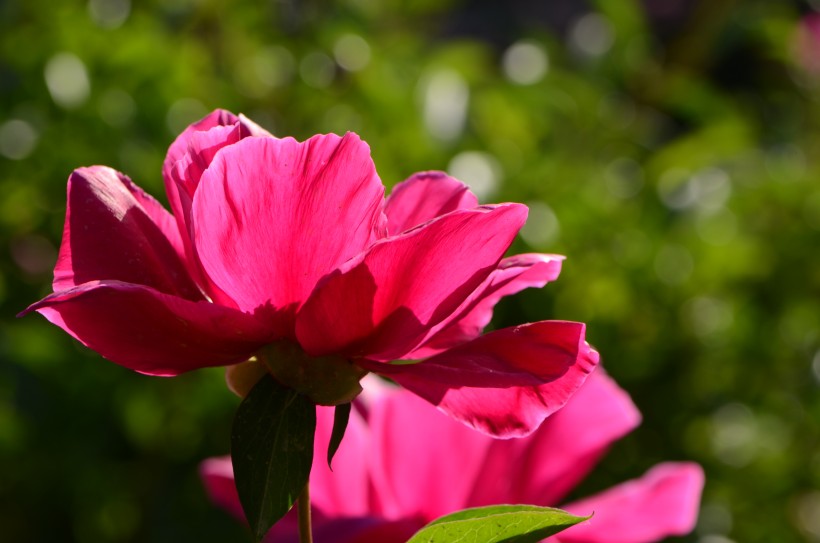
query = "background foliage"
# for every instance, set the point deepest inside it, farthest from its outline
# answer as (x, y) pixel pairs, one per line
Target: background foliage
(670, 149)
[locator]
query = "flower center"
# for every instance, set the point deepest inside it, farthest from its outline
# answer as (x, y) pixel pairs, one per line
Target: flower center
(327, 380)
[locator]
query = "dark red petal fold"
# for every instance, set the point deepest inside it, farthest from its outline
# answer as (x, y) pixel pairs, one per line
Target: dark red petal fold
(382, 304)
(504, 383)
(151, 332)
(115, 231)
(423, 197)
(512, 275)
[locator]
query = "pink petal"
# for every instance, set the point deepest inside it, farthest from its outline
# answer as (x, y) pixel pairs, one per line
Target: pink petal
(662, 503)
(513, 274)
(151, 332)
(114, 231)
(180, 147)
(381, 304)
(181, 182)
(543, 467)
(345, 491)
(217, 477)
(425, 196)
(504, 383)
(188, 157)
(272, 216)
(424, 463)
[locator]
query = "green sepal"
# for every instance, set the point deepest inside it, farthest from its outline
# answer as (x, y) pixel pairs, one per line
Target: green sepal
(271, 451)
(497, 524)
(341, 416)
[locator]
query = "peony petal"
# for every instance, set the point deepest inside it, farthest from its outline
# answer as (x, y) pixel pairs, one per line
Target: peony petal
(114, 231)
(181, 182)
(187, 159)
(180, 147)
(423, 197)
(424, 463)
(513, 274)
(272, 216)
(381, 304)
(504, 383)
(151, 332)
(217, 477)
(344, 491)
(541, 468)
(662, 503)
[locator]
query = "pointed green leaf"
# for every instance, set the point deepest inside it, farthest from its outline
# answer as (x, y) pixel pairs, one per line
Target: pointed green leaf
(497, 524)
(272, 451)
(341, 416)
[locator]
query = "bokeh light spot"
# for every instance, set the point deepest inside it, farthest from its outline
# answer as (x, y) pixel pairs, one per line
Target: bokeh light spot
(807, 512)
(735, 434)
(317, 70)
(480, 171)
(445, 99)
(351, 52)
(17, 139)
(67, 80)
(525, 62)
(592, 35)
(116, 107)
(542, 227)
(673, 264)
(109, 13)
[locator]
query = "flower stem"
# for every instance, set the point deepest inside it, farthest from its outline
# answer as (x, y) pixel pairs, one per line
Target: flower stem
(303, 510)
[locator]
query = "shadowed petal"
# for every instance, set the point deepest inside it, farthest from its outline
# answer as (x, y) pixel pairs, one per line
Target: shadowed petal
(504, 383)
(381, 304)
(217, 477)
(364, 530)
(424, 463)
(541, 468)
(513, 274)
(151, 332)
(272, 216)
(662, 503)
(115, 231)
(425, 196)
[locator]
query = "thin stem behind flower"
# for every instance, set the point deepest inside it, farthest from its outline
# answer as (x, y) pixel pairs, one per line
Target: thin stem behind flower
(303, 511)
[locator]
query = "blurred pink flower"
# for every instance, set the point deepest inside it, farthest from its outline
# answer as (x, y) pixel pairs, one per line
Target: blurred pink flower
(277, 241)
(403, 464)
(807, 44)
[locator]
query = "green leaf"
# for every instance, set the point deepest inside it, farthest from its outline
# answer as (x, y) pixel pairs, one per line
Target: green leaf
(341, 416)
(272, 451)
(497, 524)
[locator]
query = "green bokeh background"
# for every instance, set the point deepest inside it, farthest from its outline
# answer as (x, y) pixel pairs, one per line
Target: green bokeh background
(669, 149)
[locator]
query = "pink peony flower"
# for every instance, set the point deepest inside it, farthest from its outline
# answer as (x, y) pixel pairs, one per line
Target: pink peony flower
(289, 252)
(806, 44)
(403, 464)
